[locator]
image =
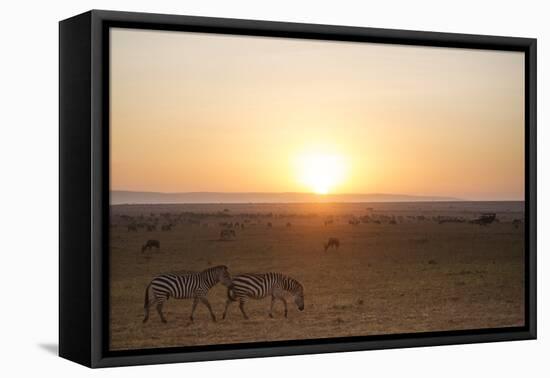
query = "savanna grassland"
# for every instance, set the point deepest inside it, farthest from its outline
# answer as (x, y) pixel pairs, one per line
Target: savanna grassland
(400, 268)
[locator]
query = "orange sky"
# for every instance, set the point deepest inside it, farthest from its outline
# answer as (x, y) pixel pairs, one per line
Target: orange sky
(205, 112)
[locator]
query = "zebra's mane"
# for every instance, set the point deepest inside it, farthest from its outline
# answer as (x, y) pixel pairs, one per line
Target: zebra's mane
(184, 272)
(291, 285)
(215, 268)
(189, 272)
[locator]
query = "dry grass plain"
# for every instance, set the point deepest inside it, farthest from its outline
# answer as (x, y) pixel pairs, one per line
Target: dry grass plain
(413, 276)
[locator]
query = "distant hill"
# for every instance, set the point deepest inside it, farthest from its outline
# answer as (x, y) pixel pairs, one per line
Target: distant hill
(127, 197)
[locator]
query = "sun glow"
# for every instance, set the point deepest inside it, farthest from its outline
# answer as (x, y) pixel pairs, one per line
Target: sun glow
(321, 172)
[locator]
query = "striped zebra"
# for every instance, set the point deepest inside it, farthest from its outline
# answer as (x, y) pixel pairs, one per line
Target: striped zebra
(186, 285)
(258, 286)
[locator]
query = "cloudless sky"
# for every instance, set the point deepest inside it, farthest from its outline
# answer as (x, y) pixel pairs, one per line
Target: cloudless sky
(207, 112)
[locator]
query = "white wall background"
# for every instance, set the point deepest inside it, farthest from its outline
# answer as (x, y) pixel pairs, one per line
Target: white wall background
(29, 186)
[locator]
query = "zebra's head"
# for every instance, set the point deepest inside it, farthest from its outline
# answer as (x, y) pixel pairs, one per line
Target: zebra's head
(299, 296)
(223, 275)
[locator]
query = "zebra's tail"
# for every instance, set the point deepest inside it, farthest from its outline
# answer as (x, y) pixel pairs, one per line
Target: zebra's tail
(146, 304)
(231, 293)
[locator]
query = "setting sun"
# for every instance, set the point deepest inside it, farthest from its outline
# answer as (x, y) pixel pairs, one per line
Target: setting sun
(290, 116)
(321, 172)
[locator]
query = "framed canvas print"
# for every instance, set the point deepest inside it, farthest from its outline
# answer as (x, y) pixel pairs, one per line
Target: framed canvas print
(234, 188)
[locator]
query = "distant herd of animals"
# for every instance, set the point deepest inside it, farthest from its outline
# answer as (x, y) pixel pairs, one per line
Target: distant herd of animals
(240, 288)
(166, 222)
(228, 229)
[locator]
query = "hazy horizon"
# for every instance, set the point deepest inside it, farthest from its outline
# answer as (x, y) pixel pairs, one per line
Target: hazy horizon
(195, 112)
(150, 198)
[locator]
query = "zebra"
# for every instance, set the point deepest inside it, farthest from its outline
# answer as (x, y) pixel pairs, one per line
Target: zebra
(186, 285)
(258, 286)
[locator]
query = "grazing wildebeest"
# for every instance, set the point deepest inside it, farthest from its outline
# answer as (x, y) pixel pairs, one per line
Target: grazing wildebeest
(132, 228)
(150, 244)
(167, 227)
(332, 242)
(188, 285)
(258, 286)
(227, 234)
(151, 228)
(269, 224)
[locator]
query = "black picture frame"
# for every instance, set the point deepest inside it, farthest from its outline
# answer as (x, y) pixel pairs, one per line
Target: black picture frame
(84, 186)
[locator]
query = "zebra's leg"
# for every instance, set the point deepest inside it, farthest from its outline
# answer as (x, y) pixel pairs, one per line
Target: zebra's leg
(227, 303)
(146, 308)
(146, 317)
(207, 304)
(195, 302)
(159, 310)
(286, 309)
(272, 304)
(275, 294)
(241, 306)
